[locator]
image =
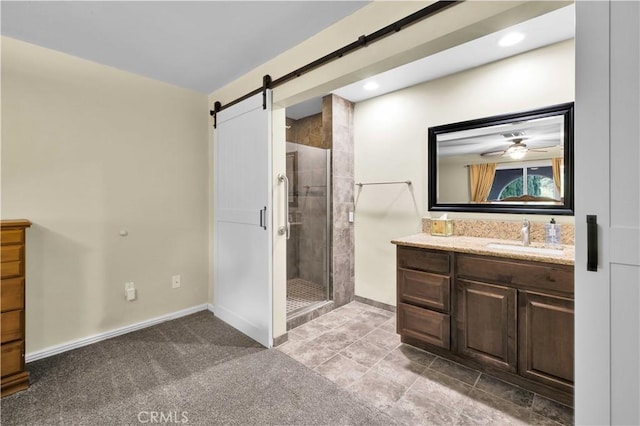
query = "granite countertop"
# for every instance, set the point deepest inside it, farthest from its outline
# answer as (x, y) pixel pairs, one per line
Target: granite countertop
(478, 245)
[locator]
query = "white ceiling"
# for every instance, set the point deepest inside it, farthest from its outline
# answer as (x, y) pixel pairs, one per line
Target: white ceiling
(544, 30)
(199, 45)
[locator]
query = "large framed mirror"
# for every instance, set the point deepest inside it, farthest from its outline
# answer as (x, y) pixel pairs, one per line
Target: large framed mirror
(512, 163)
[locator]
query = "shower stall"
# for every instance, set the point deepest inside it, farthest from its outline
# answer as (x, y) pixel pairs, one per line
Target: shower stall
(308, 248)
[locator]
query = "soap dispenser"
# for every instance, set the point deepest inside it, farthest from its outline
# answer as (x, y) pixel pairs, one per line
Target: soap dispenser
(552, 234)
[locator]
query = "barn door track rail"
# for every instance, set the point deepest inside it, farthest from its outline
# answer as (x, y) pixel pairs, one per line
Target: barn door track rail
(362, 41)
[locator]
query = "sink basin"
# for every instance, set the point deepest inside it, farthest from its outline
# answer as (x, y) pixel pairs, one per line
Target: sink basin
(527, 249)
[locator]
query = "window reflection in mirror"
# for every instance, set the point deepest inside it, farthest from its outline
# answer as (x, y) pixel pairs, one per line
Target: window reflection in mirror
(511, 163)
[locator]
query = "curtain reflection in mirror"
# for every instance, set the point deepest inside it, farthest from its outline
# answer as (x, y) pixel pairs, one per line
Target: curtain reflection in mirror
(556, 166)
(481, 178)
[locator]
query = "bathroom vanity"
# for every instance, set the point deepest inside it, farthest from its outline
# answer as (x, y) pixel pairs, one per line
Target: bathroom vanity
(507, 313)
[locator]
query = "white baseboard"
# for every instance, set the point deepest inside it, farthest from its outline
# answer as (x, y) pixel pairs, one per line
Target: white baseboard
(64, 347)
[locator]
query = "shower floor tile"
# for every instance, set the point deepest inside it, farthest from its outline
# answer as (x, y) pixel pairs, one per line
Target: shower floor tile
(302, 293)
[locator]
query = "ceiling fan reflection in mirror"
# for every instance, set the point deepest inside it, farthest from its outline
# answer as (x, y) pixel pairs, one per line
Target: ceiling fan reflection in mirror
(517, 149)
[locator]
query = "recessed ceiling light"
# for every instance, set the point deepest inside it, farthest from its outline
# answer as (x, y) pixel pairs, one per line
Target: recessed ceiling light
(371, 85)
(511, 39)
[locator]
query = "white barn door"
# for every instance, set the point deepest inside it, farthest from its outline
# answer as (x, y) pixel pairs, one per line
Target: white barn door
(242, 234)
(607, 154)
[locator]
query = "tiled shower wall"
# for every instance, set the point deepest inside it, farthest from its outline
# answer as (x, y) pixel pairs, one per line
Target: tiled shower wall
(307, 131)
(337, 131)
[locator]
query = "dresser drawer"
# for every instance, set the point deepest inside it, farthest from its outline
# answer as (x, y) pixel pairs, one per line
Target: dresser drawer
(11, 325)
(424, 289)
(425, 325)
(11, 269)
(11, 358)
(12, 294)
(11, 253)
(11, 236)
(556, 278)
(423, 260)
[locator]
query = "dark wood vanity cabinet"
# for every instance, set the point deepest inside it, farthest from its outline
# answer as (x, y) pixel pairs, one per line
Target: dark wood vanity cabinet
(424, 288)
(545, 339)
(487, 323)
(510, 318)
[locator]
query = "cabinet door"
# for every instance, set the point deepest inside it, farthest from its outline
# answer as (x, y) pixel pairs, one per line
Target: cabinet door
(546, 339)
(487, 323)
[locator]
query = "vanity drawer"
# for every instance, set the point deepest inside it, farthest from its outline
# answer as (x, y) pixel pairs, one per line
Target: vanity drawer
(12, 294)
(425, 325)
(424, 289)
(11, 360)
(540, 276)
(11, 325)
(423, 260)
(11, 236)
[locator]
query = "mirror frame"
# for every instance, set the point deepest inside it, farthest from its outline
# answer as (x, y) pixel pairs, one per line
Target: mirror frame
(566, 110)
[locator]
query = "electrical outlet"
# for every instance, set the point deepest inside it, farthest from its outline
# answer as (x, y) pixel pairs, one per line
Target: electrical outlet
(175, 281)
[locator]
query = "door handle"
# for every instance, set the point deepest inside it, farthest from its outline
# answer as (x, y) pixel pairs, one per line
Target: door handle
(592, 242)
(263, 218)
(286, 229)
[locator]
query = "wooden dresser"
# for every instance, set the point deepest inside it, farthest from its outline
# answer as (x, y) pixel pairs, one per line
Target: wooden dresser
(12, 300)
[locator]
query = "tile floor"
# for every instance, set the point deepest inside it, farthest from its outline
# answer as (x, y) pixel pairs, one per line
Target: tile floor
(356, 346)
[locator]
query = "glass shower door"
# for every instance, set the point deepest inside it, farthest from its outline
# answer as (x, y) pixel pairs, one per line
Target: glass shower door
(308, 171)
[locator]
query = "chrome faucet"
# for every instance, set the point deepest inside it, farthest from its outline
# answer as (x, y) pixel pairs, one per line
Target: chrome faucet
(525, 233)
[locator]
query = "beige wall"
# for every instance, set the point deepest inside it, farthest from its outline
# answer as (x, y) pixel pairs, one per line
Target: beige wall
(88, 150)
(453, 180)
(391, 143)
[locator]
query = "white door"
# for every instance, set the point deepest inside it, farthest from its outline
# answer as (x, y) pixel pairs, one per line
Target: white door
(607, 154)
(242, 234)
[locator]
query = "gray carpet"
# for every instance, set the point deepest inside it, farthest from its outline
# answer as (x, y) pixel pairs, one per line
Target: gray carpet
(195, 368)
